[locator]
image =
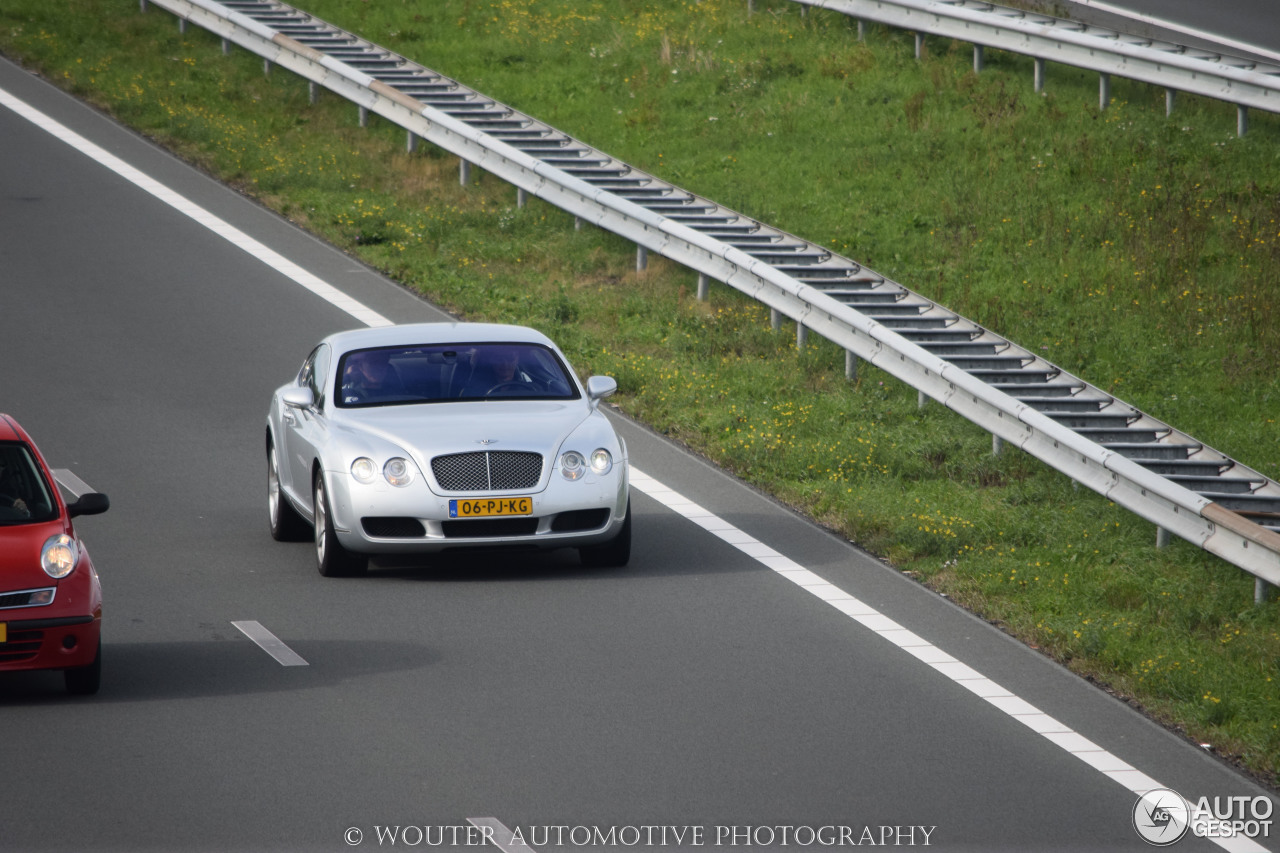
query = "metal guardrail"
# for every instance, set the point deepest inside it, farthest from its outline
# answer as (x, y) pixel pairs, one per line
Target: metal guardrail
(1176, 67)
(1140, 463)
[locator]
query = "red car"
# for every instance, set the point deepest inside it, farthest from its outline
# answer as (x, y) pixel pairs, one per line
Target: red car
(50, 598)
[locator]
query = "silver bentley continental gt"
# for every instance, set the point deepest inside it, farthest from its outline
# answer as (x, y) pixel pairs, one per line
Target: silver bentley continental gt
(435, 436)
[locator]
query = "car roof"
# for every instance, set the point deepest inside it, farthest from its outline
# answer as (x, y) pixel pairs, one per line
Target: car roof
(9, 429)
(435, 333)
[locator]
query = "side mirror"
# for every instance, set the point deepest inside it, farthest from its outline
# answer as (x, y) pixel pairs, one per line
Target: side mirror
(298, 398)
(599, 387)
(91, 503)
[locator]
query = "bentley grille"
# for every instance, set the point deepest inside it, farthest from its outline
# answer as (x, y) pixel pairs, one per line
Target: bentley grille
(487, 471)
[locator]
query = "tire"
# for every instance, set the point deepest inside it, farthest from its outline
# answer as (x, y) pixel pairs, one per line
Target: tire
(613, 554)
(85, 680)
(286, 524)
(332, 559)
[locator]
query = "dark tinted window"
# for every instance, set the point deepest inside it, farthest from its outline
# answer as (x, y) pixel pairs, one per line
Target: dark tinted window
(437, 374)
(24, 494)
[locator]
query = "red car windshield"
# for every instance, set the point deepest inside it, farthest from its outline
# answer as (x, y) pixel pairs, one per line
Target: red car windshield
(451, 372)
(24, 494)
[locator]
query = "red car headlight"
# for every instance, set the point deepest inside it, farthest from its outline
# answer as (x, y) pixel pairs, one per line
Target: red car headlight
(59, 555)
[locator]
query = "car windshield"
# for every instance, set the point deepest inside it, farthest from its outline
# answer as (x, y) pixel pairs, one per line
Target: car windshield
(24, 495)
(450, 373)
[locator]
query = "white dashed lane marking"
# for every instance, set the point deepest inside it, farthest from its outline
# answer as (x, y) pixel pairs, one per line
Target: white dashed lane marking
(270, 643)
(71, 482)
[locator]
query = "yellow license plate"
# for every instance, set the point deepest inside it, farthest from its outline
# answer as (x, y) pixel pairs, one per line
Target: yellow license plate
(489, 507)
(4, 632)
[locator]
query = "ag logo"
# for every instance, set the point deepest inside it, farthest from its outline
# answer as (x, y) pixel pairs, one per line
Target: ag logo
(1161, 817)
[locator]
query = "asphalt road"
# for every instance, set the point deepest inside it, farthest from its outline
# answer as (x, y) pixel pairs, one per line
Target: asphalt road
(708, 686)
(1249, 28)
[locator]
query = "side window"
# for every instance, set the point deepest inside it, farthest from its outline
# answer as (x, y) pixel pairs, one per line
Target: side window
(320, 369)
(308, 368)
(313, 372)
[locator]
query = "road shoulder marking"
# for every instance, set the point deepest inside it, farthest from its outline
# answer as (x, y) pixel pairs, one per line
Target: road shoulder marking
(962, 674)
(218, 226)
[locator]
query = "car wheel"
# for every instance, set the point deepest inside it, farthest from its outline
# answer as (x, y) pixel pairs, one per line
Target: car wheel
(286, 524)
(612, 554)
(85, 680)
(332, 559)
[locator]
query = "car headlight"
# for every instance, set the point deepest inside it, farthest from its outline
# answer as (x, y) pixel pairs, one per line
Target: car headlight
(364, 470)
(572, 465)
(601, 461)
(59, 555)
(398, 471)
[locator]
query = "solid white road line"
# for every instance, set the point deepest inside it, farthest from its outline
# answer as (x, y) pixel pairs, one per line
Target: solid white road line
(1095, 756)
(975, 682)
(270, 644)
(218, 226)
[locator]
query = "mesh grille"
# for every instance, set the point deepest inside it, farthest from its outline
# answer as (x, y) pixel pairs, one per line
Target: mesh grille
(22, 645)
(487, 527)
(579, 519)
(487, 471)
(392, 527)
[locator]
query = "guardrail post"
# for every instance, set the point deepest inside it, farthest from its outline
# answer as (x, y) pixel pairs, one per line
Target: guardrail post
(850, 365)
(1104, 90)
(704, 286)
(364, 116)
(802, 335)
(921, 399)
(142, 5)
(977, 58)
(266, 68)
(1261, 591)
(1162, 537)
(522, 197)
(226, 47)
(642, 258)
(862, 30)
(182, 26)
(1169, 95)
(410, 142)
(1242, 120)
(313, 92)
(919, 44)
(775, 319)
(464, 172)
(751, 7)
(577, 223)
(997, 444)
(1039, 75)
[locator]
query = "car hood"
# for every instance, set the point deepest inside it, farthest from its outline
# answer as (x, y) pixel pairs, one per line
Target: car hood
(432, 429)
(20, 546)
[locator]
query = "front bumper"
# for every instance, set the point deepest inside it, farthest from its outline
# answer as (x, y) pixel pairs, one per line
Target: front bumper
(59, 635)
(381, 519)
(50, 643)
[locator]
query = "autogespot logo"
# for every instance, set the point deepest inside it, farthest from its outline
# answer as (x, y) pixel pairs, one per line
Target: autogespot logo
(1161, 817)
